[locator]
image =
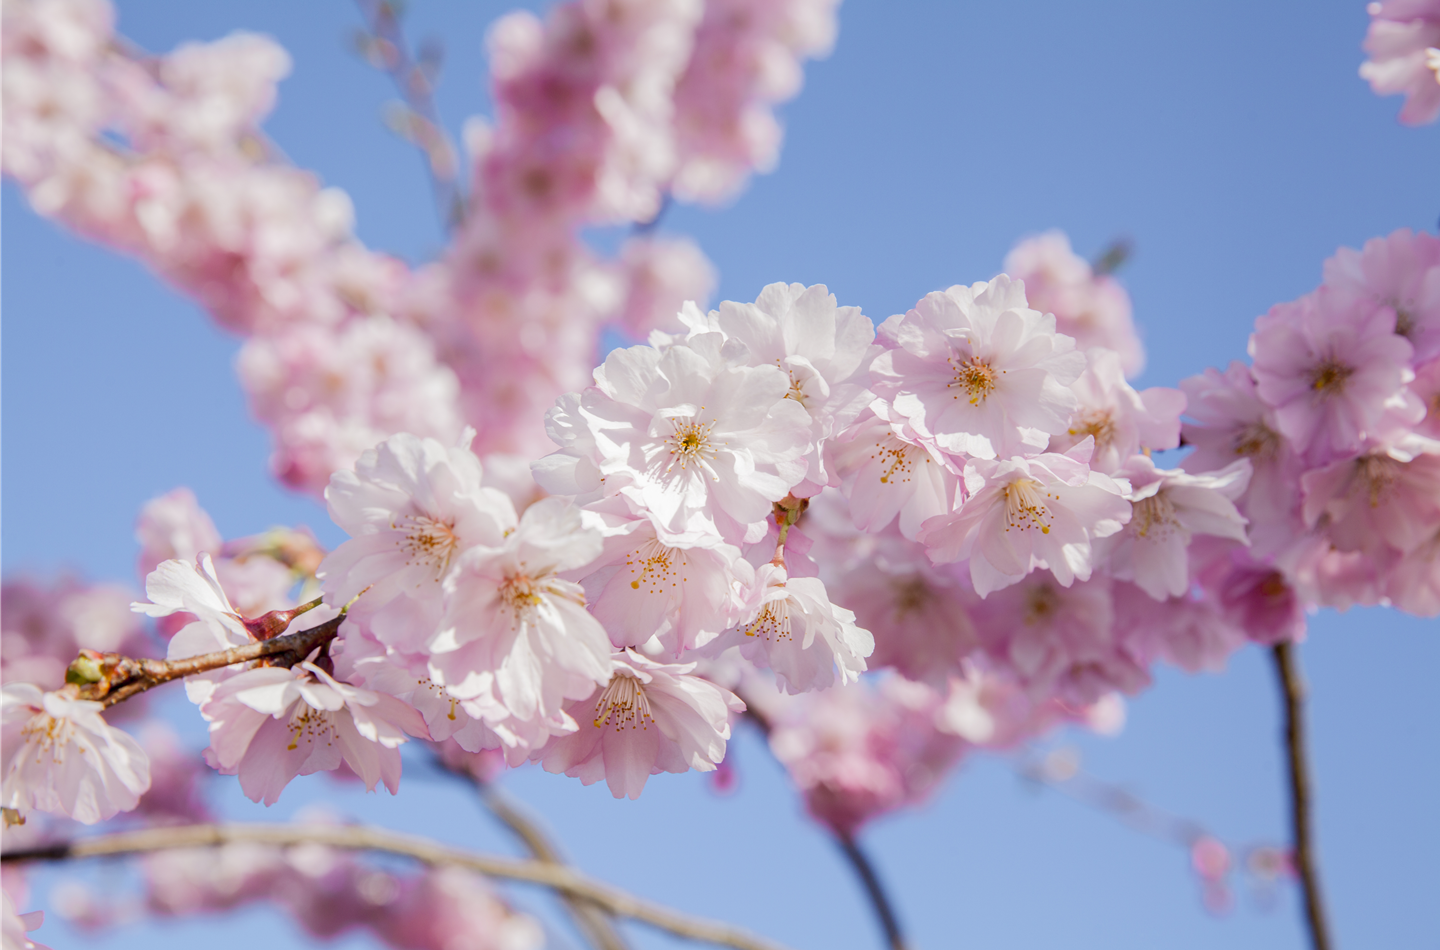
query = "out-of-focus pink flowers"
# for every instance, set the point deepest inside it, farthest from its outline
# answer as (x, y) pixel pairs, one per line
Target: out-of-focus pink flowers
(1404, 47)
(43, 627)
(1092, 308)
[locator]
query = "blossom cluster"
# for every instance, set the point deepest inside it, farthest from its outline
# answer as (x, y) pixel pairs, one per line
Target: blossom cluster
(1404, 47)
(604, 110)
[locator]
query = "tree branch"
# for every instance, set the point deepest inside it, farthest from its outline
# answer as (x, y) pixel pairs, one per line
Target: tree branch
(1287, 665)
(362, 838)
(594, 923)
(113, 678)
(874, 890)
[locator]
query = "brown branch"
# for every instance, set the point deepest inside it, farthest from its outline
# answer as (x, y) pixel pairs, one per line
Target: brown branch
(593, 922)
(362, 838)
(111, 678)
(889, 922)
(1287, 665)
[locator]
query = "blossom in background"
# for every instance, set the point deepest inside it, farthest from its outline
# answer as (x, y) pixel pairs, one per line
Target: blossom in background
(978, 371)
(1402, 42)
(649, 718)
(15, 927)
(60, 756)
(1093, 308)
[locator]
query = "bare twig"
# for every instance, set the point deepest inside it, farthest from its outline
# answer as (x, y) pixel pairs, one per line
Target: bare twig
(594, 923)
(874, 890)
(117, 678)
(1292, 685)
(362, 838)
(420, 122)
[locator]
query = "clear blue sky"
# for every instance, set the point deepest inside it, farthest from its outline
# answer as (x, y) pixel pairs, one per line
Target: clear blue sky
(1232, 142)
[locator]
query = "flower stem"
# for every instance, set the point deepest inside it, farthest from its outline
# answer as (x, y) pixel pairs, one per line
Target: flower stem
(1292, 684)
(879, 900)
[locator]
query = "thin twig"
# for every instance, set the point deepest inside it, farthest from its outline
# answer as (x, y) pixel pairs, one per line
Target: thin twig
(122, 677)
(362, 838)
(1292, 685)
(416, 87)
(874, 890)
(594, 923)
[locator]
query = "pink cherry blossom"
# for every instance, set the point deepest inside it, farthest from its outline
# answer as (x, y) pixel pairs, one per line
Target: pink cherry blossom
(43, 627)
(699, 443)
(412, 507)
(1023, 514)
(684, 592)
(513, 627)
(1169, 506)
(174, 526)
(1059, 642)
(1334, 373)
(268, 725)
(1120, 420)
(661, 274)
(791, 627)
(1400, 271)
(15, 927)
(60, 756)
(1189, 631)
(1092, 308)
(887, 470)
(979, 371)
(1401, 42)
(650, 718)
(1388, 498)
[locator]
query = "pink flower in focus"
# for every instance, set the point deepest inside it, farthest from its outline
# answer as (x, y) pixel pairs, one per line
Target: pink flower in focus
(268, 725)
(793, 628)
(1120, 420)
(980, 372)
(61, 757)
(1094, 309)
(1335, 374)
(1401, 42)
(886, 470)
(1023, 514)
(1168, 507)
(650, 718)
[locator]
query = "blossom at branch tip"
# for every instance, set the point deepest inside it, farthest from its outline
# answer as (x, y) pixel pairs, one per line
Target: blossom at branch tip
(791, 626)
(1024, 514)
(1402, 42)
(649, 718)
(1120, 420)
(977, 370)
(412, 507)
(1168, 507)
(270, 724)
(60, 756)
(513, 627)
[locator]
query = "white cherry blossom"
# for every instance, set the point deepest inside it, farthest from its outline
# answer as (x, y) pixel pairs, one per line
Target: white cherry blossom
(1119, 419)
(886, 469)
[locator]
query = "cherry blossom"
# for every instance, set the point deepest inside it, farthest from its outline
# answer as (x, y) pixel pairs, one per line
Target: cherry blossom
(1168, 507)
(1386, 498)
(1120, 420)
(268, 725)
(1335, 375)
(1023, 514)
(791, 627)
(1400, 271)
(650, 718)
(888, 470)
(16, 926)
(43, 627)
(1401, 42)
(60, 756)
(978, 371)
(1093, 308)
(513, 628)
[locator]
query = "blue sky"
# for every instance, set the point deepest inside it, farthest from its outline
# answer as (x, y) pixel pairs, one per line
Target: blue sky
(1231, 142)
